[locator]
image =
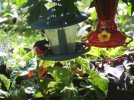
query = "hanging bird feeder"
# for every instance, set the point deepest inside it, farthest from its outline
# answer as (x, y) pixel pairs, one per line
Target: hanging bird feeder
(61, 33)
(106, 34)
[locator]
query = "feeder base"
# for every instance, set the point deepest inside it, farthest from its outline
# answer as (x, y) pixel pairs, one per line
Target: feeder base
(80, 49)
(115, 38)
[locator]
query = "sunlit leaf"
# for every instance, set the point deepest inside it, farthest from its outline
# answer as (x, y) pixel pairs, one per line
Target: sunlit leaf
(100, 84)
(60, 74)
(84, 63)
(37, 94)
(5, 81)
(132, 3)
(24, 70)
(19, 2)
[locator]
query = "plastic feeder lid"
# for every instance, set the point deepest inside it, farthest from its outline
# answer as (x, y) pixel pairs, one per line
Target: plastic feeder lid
(62, 20)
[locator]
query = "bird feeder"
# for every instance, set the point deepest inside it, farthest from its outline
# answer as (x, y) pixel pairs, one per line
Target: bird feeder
(106, 34)
(61, 31)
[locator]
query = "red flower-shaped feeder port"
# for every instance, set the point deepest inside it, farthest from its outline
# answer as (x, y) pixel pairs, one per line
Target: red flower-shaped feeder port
(106, 34)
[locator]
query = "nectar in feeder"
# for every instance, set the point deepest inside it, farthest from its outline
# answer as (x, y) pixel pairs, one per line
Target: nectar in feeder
(106, 34)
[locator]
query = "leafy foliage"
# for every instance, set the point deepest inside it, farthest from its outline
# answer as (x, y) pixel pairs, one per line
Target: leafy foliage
(60, 74)
(5, 81)
(99, 84)
(132, 3)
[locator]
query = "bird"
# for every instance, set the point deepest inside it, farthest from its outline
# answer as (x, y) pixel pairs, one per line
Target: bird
(41, 47)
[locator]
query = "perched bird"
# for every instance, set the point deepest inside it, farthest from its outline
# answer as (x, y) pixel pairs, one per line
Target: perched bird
(41, 47)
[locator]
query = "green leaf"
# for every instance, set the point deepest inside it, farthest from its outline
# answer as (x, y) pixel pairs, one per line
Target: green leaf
(132, 3)
(30, 55)
(70, 89)
(37, 94)
(71, 93)
(84, 63)
(48, 63)
(53, 87)
(31, 64)
(100, 84)
(19, 2)
(29, 85)
(17, 94)
(93, 15)
(60, 74)
(44, 85)
(94, 52)
(5, 81)
(25, 68)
